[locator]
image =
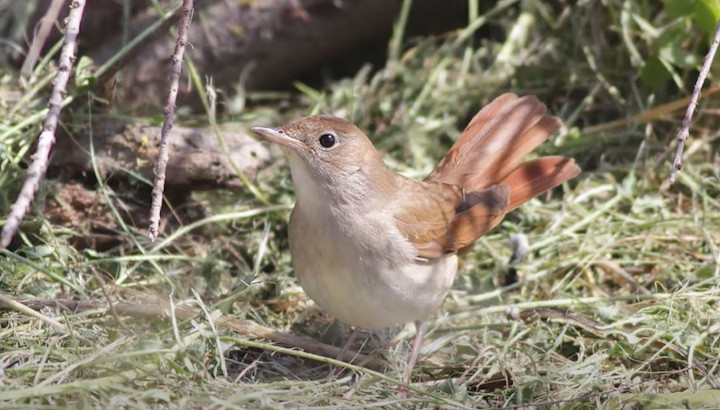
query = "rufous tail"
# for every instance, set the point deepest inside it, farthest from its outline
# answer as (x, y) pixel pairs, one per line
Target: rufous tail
(489, 155)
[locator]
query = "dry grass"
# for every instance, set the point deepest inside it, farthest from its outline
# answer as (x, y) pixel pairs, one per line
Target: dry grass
(615, 306)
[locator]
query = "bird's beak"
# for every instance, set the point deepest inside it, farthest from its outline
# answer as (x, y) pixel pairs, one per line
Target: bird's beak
(278, 136)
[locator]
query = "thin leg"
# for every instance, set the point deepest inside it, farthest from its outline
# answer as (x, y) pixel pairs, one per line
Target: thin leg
(420, 329)
(350, 340)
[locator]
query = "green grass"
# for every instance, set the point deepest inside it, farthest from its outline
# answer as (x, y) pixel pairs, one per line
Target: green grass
(617, 302)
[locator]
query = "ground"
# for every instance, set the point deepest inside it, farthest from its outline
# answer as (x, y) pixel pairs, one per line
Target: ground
(614, 306)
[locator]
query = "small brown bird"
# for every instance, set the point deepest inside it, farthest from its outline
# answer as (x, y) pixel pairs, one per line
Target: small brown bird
(377, 249)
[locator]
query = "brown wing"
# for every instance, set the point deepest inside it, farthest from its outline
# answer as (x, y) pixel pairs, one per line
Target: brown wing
(483, 211)
(440, 218)
(425, 214)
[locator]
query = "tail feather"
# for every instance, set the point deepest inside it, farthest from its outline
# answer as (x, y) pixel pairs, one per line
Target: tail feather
(526, 144)
(495, 141)
(486, 161)
(535, 177)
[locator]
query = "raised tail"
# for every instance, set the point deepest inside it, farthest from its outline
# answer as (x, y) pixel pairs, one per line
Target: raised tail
(489, 155)
(537, 176)
(493, 146)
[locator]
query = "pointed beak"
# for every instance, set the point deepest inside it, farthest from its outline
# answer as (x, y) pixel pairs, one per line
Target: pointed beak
(278, 136)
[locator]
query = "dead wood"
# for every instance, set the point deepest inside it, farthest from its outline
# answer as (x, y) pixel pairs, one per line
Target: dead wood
(266, 42)
(122, 150)
(196, 160)
(260, 44)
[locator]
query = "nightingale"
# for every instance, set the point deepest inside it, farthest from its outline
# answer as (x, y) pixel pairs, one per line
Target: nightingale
(376, 249)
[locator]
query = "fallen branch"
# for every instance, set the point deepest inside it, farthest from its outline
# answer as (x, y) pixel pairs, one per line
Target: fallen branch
(198, 159)
(177, 58)
(10, 303)
(263, 44)
(154, 308)
(37, 168)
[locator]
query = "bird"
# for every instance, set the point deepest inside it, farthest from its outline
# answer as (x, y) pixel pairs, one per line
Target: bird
(376, 249)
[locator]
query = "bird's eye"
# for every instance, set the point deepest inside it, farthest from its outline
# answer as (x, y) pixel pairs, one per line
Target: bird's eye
(327, 140)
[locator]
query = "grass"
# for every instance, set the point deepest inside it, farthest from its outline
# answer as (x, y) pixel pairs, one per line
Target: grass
(616, 304)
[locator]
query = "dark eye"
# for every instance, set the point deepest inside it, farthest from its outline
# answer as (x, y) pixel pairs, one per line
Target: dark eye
(327, 140)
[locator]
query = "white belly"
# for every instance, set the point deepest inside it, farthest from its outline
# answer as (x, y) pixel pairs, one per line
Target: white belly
(371, 280)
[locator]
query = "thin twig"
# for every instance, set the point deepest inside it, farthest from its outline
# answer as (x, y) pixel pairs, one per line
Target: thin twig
(46, 23)
(616, 270)
(685, 128)
(646, 116)
(169, 111)
(37, 169)
(17, 306)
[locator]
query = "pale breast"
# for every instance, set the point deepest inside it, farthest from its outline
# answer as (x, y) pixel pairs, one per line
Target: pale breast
(352, 260)
(362, 271)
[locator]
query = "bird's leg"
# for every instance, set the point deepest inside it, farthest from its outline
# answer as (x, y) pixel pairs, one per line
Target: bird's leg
(420, 329)
(350, 340)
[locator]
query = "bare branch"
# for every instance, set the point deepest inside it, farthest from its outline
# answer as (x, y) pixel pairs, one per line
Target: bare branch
(9, 302)
(169, 111)
(37, 168)
(685, 127)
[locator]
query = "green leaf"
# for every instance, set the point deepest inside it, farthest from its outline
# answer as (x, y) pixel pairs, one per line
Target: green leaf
(654, 72)
(675, 54)
(156, 396)
(38, 252)
(84, 73)
(678, 8)
(706, 272)
(691, 399)
(706, 14)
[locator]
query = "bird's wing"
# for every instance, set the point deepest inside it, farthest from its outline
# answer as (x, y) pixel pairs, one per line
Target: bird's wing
(440, 218)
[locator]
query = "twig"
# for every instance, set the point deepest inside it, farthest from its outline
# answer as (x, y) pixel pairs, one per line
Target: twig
(685, 128)
(646, 116)
(37, 169)
(17, 306)
(616, 270)
(46, 23)
(169, 111)
(588, 324)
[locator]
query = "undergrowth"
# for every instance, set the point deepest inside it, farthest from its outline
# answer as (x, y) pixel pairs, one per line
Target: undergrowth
(614, 306)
